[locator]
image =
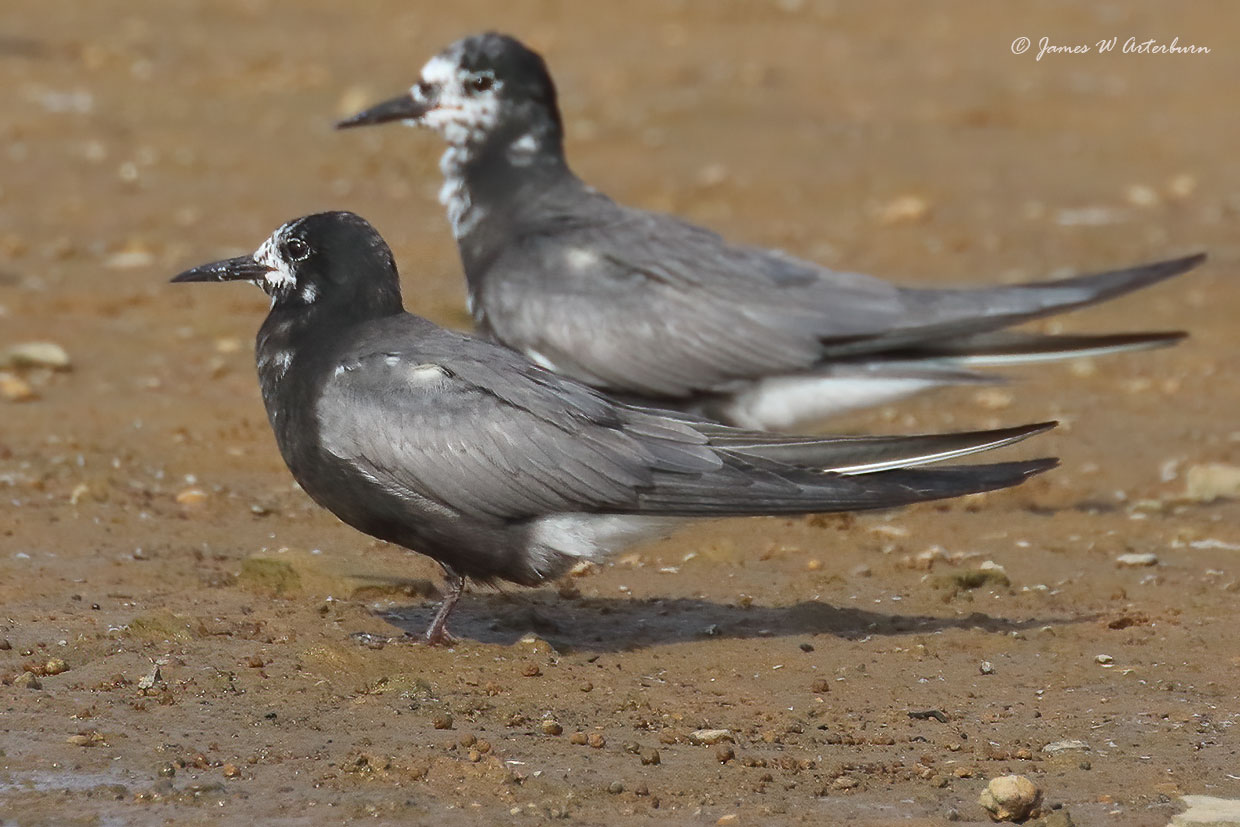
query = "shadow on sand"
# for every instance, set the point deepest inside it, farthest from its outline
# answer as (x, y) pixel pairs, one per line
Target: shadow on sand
(619, 624)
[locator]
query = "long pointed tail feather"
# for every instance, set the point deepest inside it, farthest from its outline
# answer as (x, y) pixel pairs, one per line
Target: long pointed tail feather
(955, 313)
(1005, 349)
(853, 455)
(807, 494)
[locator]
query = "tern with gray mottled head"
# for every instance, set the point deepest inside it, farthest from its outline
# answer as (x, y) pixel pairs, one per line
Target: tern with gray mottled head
(650, 307)
(499, 469)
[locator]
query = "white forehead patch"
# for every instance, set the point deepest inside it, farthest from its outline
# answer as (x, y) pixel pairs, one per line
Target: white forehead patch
(280, 280)
(460, 118)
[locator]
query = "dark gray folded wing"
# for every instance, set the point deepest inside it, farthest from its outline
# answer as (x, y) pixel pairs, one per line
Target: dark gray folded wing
(649, 305)
(491, 436)
(478, 430)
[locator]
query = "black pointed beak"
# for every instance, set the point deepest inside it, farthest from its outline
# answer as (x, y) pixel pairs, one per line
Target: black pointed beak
(241, 268)
(403, 108)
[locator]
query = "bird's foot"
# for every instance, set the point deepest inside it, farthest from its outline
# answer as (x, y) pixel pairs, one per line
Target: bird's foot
(439, 636)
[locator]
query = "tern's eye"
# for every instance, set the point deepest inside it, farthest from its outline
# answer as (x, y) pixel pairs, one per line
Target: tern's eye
(479, 83)
(296, 249)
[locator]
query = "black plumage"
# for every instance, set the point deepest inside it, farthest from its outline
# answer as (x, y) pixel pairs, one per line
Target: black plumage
(497, 468)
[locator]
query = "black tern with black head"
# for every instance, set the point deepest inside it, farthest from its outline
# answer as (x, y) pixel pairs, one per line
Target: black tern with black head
(649, 307)
(499, 469)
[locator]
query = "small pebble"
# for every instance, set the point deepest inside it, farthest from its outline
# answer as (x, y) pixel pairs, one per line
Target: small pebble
(353, 100)
(712, 175)
(1104, 660)
(552, 728)
(725, 754)
(16, 389)
(1010, 798)
(531, 670)
(908, 208)
(821, 686)
(1137, 560)
(651, 758)
(994, 399)
(1181, 186)
(55, 666)
(578, 738)
(726, 819)
(987, 668)
(36, 355)
(167, 770)
(807, 647)
(615, 788)
(1140, 195)
(27, 680)
(1083, 368)
(151, 678)
(192, 497)
(709, 737)
(232, 771)
(1055, 747)
(80, 740)
(596, 740)
(131, 259)
(1212, 481)
(442, 721)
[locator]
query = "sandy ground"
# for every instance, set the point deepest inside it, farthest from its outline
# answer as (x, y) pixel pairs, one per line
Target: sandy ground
(147, 520)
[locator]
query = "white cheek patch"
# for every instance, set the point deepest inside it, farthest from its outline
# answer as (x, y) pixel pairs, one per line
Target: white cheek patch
(461, 119)
(464, 122)
(280, 280)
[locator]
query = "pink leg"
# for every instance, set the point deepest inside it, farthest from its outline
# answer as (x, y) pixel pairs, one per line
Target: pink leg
(437, 634)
